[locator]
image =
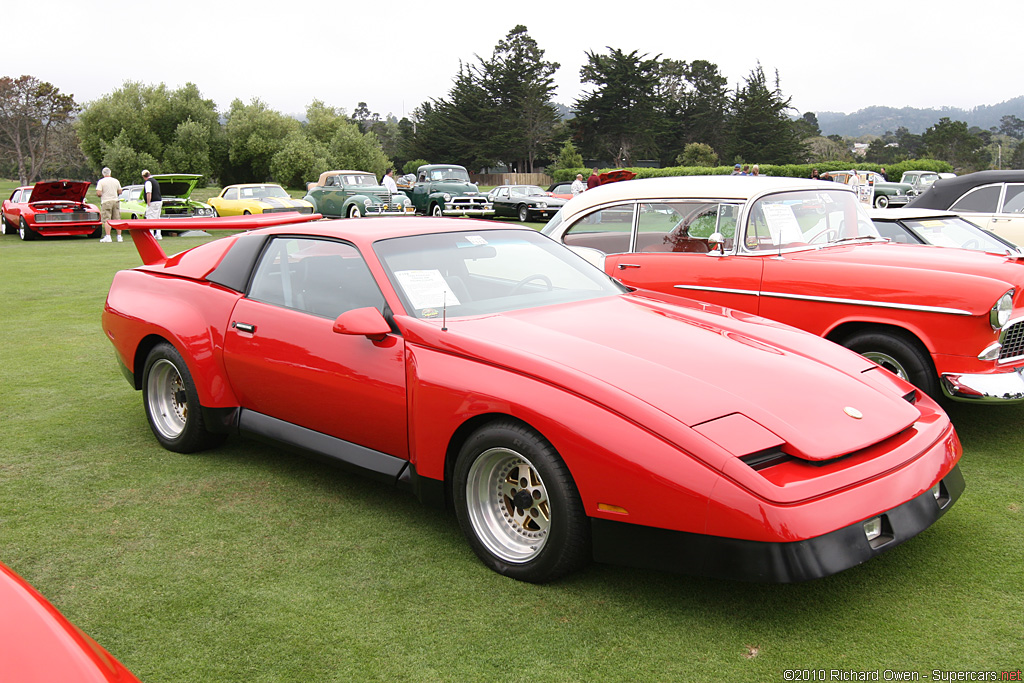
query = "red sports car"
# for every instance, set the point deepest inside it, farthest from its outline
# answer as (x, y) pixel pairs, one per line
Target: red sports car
(39, 645)
(53, 207)
(563, 416)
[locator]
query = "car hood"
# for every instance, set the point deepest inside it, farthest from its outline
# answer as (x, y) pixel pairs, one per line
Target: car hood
(693, 365)
(59, 191)
(178, 185)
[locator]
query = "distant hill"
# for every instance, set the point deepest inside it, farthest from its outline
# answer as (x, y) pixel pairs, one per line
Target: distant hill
(878, 120)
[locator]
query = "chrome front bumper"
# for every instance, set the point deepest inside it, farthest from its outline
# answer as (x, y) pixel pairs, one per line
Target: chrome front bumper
(998, 387)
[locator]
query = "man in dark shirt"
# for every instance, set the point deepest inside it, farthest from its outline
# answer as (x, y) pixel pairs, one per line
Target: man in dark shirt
(593, 181)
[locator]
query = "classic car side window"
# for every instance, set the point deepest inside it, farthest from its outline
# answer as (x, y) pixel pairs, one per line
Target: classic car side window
(981, 199)
(683, 227)
(321, 277)
(607, 230)
(231, 194)
(1013, 200)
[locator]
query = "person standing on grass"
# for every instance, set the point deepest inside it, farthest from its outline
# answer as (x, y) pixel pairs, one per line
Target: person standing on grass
(154, 200)
(388, 181)
(108, 189)
(593, 181)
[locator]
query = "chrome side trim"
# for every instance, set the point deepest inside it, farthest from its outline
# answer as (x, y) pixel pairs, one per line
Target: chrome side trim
(832, 300)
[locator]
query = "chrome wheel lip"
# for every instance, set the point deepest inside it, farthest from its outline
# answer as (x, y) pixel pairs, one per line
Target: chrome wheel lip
(164, 386)
(887, 362)
(514, 535)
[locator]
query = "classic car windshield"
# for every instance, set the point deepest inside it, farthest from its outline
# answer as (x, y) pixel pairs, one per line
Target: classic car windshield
(528, 191)
(486, 272)
(944, 231)
(796, 220)
(449, 174)
(269, 191)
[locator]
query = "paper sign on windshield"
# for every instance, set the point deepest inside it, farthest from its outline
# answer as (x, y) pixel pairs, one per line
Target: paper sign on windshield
(426, 288)
(782, 223)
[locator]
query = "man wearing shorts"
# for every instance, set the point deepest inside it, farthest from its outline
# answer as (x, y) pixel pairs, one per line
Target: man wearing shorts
(110, 206)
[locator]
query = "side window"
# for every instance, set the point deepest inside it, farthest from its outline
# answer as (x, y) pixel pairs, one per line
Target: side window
(607, 230)
(503, 193)
(320, 277)
(231, 194)
(981, 199)
(1013, 201)
(683, 227)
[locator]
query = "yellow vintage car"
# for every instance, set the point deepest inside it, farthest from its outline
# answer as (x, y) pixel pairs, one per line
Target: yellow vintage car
(253, 198)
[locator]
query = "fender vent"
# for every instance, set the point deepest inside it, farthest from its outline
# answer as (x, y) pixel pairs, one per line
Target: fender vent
(764, 459)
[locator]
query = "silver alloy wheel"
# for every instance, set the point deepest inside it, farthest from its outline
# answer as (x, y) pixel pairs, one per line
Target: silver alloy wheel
(168, 400)
(889, 363)
(508, 505)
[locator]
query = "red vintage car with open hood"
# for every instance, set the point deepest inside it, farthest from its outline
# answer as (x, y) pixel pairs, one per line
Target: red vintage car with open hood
(564, 417)
(52, 207)
(805, 252)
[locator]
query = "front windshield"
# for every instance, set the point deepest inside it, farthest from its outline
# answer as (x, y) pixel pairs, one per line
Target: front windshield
(362, 179)
(800, 219)
(449, 174)
(488, 271)
(528, 191)
(953, 231)
(272, 191)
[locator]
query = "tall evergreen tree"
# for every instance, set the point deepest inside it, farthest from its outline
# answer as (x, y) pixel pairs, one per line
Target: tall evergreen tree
(761, 131)
(620, 118)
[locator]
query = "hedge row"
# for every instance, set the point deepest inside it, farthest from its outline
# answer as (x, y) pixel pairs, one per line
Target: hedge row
(893, 171)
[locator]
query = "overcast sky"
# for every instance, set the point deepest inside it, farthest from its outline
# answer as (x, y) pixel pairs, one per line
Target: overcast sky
(830, 56)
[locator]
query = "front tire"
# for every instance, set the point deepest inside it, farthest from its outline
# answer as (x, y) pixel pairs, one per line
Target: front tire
(881, 201)
(353, 211)
(898, 354)
(172, 403)
(518, 506)
(24, 232)
(436, 211)
(524, 213)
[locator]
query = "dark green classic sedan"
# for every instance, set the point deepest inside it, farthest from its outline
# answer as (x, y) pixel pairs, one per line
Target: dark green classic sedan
(525, 202)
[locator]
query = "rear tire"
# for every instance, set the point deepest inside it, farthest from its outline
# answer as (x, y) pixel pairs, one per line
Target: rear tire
(172, 403)
(518, 506)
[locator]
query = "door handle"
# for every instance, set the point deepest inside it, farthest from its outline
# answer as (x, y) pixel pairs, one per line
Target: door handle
(244, 327)
(623, 266)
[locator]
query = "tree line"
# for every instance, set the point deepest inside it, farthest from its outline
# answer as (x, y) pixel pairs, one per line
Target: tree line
(637, 108)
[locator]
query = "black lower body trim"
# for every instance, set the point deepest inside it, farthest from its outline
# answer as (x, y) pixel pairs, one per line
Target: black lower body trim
(679, 551)
(374, 464)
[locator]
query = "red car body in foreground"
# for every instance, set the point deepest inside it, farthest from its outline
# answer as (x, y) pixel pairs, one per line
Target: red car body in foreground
(563, 417)
(39, 645)
(51, 208)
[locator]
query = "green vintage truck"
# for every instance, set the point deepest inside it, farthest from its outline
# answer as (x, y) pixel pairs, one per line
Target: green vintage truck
(446, 190)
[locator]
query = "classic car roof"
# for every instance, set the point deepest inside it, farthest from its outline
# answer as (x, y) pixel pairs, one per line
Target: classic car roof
(944, 192)
(327, 174)
(697, 187)
(59, 190)
(266, 184)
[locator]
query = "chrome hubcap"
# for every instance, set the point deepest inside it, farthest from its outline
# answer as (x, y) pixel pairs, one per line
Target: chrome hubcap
(168, 402)
(887, 362)
(508, 505)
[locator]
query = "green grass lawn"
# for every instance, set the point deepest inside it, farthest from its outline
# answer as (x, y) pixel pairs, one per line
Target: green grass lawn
(248, 563)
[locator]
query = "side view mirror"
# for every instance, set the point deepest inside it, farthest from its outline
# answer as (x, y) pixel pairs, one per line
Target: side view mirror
(366, 322)
(716, 242)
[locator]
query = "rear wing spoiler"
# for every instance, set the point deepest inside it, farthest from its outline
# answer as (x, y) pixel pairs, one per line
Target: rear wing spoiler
(153, 254)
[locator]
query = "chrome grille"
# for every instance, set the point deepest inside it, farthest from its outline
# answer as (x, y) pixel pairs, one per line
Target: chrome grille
(67, 217)
(1012, 341)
